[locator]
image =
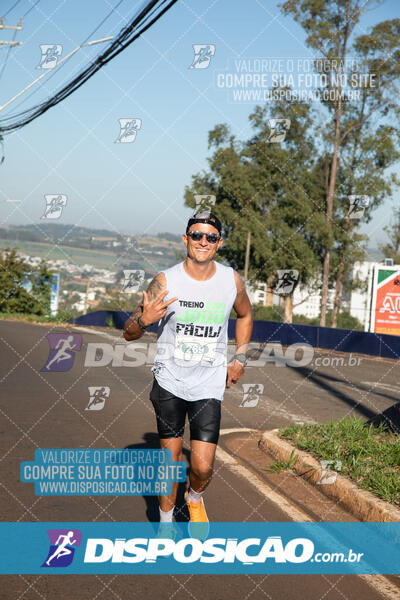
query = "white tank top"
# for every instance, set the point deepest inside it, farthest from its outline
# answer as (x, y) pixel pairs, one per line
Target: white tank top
(192, 337)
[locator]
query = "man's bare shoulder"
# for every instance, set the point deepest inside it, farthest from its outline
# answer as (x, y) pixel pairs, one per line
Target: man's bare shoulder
(240, 287)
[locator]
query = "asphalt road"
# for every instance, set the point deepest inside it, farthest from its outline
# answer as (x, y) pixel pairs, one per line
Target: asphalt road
(49, 410)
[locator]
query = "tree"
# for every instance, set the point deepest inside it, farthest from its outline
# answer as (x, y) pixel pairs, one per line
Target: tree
(392, 248)
(24, 289)
(329, 25)
(272, 190)
(370, 144)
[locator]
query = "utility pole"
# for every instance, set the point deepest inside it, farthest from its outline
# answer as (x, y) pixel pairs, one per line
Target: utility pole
(13, 27)
(246, 263)
(18, 27)
(11, 44)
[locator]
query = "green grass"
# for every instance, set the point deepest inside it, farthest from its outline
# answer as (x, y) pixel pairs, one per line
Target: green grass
(370, 455)
(282, 465)
(110, 321)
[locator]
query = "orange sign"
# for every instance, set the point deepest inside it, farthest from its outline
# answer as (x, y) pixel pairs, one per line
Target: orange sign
(386, 305)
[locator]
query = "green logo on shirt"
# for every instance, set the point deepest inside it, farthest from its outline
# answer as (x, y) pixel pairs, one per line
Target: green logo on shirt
(206, 313)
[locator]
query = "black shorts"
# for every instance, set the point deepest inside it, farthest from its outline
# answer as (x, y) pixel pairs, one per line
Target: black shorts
(204, 415)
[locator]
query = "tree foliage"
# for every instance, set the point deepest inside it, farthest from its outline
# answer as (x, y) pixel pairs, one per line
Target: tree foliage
(360, 137)
(294, 197)
(392, 247)
(23, 288)
(272, 190)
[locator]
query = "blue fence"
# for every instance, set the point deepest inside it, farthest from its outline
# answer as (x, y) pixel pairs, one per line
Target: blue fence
(342, 340)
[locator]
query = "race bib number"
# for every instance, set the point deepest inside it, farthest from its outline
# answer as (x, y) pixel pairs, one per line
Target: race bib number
(194, 349)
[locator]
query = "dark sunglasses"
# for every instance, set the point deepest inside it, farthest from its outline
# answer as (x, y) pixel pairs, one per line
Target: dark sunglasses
(212, 238)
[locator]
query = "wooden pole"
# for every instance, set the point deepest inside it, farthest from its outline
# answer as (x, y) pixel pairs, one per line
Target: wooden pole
(246, 263)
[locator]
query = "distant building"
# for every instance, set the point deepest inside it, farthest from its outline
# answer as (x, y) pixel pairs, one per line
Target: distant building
(260, 293)
(257, 293)
(359, 303)
(306, 300)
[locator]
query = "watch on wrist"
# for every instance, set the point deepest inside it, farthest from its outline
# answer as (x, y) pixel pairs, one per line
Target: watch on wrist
(241, 358)
(139, 322)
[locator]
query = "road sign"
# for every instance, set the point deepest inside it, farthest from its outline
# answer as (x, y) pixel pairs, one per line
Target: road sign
(385, 317)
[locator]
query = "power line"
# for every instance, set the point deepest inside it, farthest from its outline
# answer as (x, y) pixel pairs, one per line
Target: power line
(10, 9)
(103, 21)
(16, 29)
(25, 14)
(30, 9)
(8, 54)
(51, 75)
(153, 10)
(11, 44)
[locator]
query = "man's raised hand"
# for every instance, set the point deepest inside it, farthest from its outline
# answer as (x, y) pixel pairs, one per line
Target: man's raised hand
(154, 310)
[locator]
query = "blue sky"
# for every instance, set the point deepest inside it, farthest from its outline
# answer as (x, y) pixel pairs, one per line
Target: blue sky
(135, 187)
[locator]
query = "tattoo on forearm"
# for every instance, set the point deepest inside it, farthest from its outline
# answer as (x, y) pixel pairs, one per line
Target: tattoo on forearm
(154, 288)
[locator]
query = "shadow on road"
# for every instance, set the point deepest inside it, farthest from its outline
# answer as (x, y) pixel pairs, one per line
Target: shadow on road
(326, 382)
(181, 513)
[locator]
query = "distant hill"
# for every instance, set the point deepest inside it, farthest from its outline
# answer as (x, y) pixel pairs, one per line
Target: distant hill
(101, 248)
(170, 237)
(45, 231)
(59, 230)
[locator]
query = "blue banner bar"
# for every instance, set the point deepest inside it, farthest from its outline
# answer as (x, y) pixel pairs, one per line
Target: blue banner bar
(89, 472)
(220, 548)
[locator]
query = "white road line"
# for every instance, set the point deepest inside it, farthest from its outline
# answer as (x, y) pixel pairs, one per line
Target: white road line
(108, 336)
(379, 583)
(385, 386)
(236, 430)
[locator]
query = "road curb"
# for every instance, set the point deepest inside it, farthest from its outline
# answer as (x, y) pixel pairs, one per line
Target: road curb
(362, 504)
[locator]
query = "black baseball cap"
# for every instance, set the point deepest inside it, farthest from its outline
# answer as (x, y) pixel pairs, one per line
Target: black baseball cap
(205, 216)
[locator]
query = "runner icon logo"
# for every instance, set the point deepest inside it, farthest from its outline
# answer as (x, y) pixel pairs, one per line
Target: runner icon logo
(202, 56)
(62, 547)
(357, 206)
(54, 206)
(251, 394)
(62, 351)
(133, 279)
(98, 396)
(329, 470)
(286, 281)
(278, 130)
(50, 55)
(204, 202)
(128, 130)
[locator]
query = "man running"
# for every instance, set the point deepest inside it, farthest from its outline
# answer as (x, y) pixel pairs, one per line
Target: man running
(191, 302)
(63, 345)
(62, 549)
